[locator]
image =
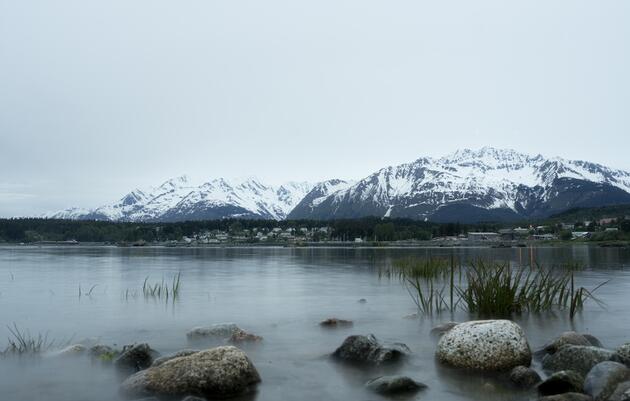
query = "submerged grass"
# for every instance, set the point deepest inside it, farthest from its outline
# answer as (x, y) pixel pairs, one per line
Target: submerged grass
(162, 289)
(489, 288)
(21, 343)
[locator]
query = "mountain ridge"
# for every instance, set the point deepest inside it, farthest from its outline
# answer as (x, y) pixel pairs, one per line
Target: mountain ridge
(466, 185)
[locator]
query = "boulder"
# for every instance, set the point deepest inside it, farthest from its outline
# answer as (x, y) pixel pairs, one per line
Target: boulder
(564, 381)
(71, 350)
(241, 336)
(593, 340)
(621, 393)
(219, 372)
(362, 301)
(567, 397)
(603, 379)
(575, 357)
(441, 329)
(334, 322)
(566, 338)
(524, 377)
(135, 357)
(485, 345)
(166, 358)
(103, 353)
(622, 354)
(391, 385)
(368, 350)
(216, 331)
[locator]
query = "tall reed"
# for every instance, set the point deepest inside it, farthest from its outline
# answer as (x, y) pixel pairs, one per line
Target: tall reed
(489, 288)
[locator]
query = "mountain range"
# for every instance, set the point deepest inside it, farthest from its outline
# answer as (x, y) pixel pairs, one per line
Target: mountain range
(487, 184)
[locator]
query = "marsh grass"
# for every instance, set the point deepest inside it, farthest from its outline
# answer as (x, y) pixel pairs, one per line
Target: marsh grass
(162, 289)
(21, 343)
(430, 282)
(489, 288)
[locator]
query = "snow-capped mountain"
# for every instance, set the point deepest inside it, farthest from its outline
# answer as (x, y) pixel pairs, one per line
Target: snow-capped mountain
(469, 185)
(177, 199)
(474, 185)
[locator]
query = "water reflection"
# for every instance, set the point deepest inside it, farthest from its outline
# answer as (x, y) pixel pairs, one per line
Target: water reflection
(279, 293)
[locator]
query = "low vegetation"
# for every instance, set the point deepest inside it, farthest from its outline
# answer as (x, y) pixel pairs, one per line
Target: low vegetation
(21, 342)
(489, 288)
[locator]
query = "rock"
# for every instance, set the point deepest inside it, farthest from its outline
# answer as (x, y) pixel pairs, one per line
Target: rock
(217, 331)
(362, 301)
(390, 385)
(566, 338)
(334, 322)
(367, 349)
(621, 393)
(567, 397)
(135, 357)
(442, 329)
(485, 345)
(147, 399)
(575, 357)
(524, 377)
(241, 336)
(603, 379)
(622, 354)
(564, 381)
(102, 352)
(593, 340)
(166, 358)
(193, 398)
(214, 373)
(71, 350)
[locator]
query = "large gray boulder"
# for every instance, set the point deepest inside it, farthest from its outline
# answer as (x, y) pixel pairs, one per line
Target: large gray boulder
(215, 331)
(392, 385)
(135, 357)
(219, 372)
(485, 345)
(564, 381)
(368, 350)
(602, 380)
(576, 357)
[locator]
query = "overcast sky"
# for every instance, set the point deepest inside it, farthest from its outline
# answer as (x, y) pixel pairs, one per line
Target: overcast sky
(99, 97)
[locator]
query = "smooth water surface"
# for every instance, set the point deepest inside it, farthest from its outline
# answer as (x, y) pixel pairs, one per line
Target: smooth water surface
(278, 293)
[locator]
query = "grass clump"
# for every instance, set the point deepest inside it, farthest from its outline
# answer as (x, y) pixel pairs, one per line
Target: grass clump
(489, 288)
(162, 289)
(22, 343)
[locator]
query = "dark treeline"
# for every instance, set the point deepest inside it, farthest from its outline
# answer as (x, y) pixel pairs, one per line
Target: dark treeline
(371, 228)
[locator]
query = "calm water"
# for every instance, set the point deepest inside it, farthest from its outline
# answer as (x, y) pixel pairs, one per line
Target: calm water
(278, 293)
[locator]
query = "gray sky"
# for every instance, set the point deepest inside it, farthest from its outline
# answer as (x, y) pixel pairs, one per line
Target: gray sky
(99, 97)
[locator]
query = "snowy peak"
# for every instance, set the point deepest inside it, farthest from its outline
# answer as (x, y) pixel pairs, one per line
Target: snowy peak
(177, 199)
(495, 181)
(466, 185)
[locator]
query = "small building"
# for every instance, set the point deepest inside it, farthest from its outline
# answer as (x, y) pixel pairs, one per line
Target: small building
(487, 236)
(358, 240)
(580, 234)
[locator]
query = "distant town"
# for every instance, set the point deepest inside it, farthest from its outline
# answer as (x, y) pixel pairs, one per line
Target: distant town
(609, 224)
